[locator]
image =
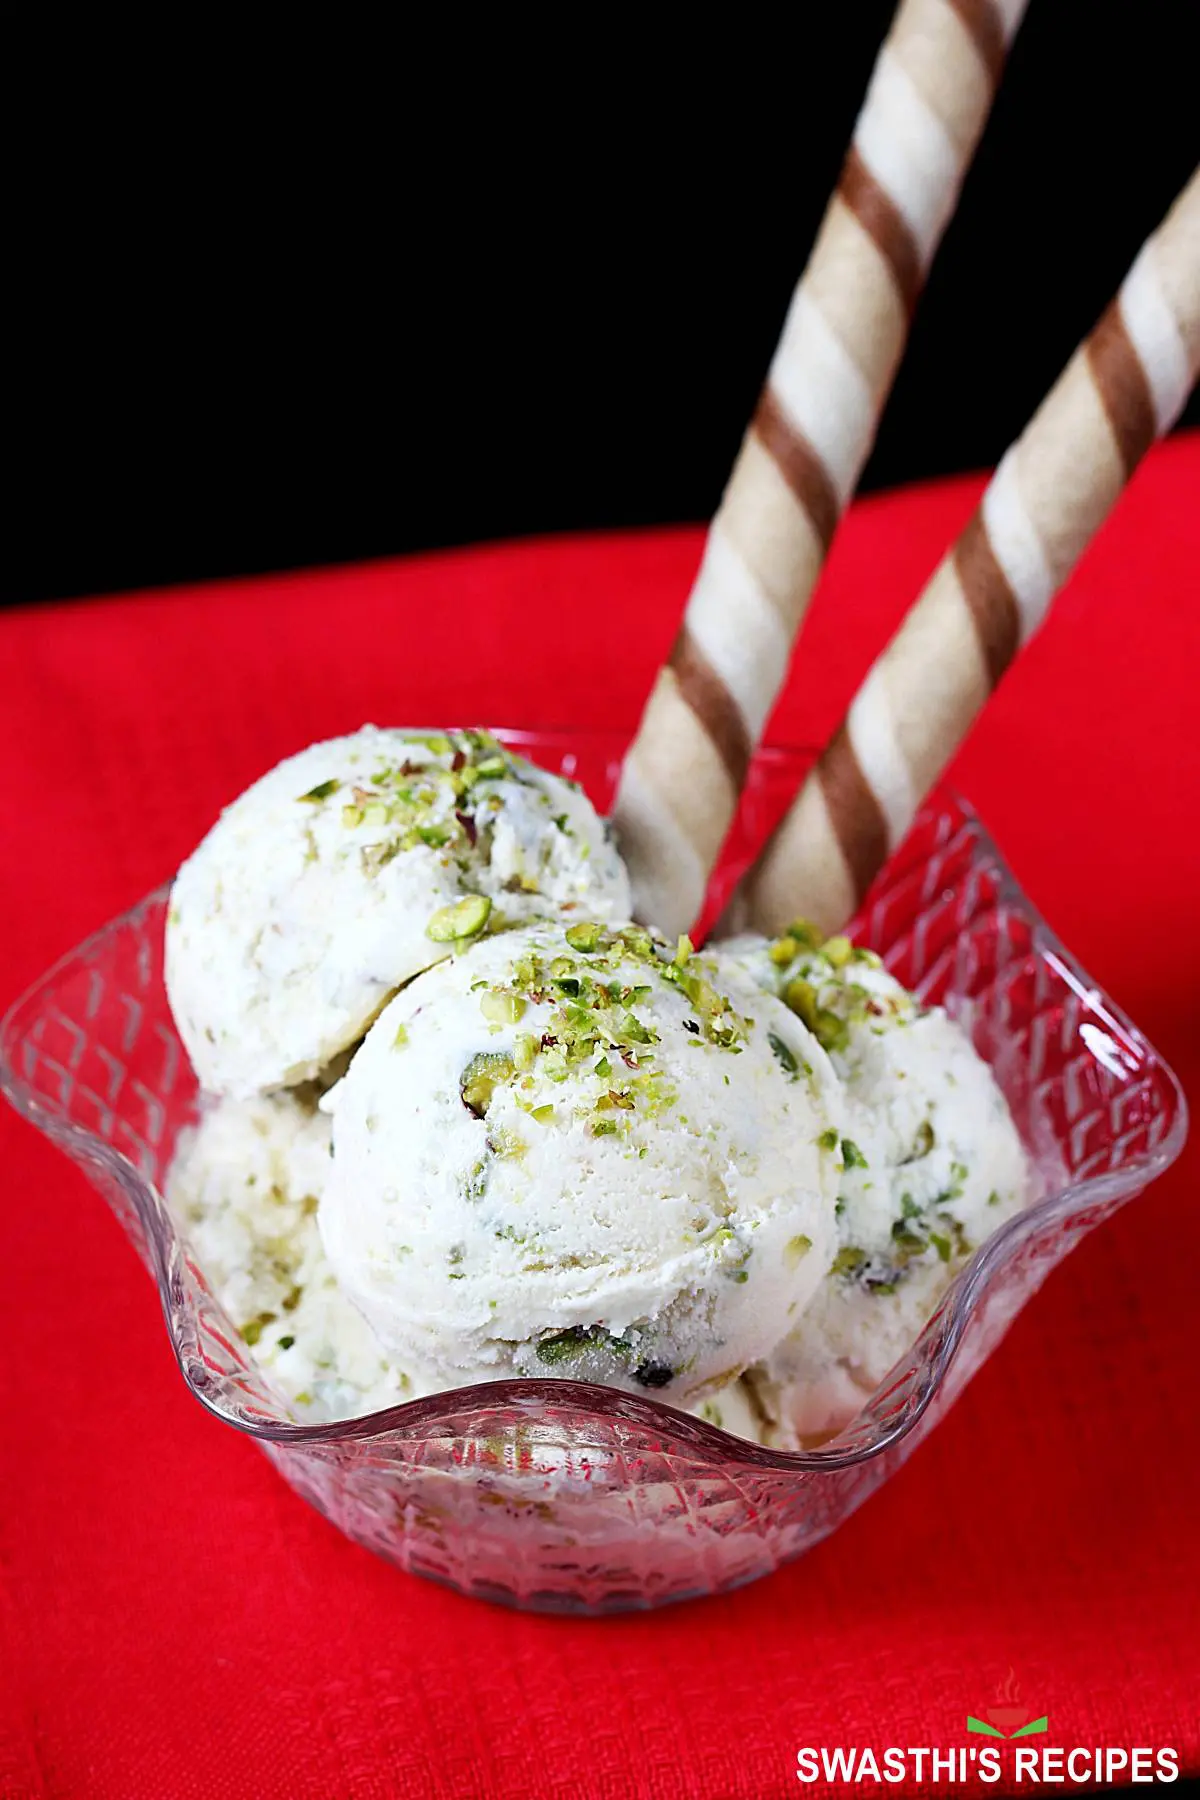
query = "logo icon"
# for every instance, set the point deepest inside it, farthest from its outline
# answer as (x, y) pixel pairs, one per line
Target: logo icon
(1007, 1711)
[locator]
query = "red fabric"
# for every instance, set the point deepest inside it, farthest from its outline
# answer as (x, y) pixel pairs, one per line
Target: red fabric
(174, 1622)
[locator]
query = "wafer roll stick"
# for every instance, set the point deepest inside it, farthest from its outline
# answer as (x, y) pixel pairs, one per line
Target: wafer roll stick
(802, 455)
(1124, 387)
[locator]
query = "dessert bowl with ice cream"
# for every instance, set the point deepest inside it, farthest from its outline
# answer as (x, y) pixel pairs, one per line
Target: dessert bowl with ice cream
(601, 1270)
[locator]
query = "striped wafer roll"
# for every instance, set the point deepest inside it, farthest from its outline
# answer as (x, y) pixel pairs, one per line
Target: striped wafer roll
(805, 447)
(1124, 387)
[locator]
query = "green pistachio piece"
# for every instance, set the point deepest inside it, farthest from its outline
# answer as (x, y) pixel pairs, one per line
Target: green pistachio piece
(481, 1077)
(784, 1055)
(806, 934)
(322, 791)
(782, 951)
(848, 1260)
(501, 1008)
(828, 1140)
(684, 949)
(852, 1156)
(401, 1037)
(637, 941)
(463, 919)
(831, 1032)
(872, 960)
(838, 951)
(801, 997)
(352, 816)
(586, 936)
(795, 1250)
(703, 996)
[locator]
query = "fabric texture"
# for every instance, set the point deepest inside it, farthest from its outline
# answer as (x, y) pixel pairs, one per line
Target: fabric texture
(175, 1622)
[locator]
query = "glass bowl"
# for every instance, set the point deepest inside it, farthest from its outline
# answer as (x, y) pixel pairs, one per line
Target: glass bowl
(564, 1496)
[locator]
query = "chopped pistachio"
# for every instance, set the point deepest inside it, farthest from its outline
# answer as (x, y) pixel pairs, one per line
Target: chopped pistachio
(703, 996)
(848, 1259)
(481, 1077)
(837, 951)
(796, 1249)
(285, 1343)
(564, 1346)
(800, 997)
(909, 1240)
(684, 949)
(923, 1142)
(322, 791)
(463, 919)
(637, 941)
(831, 1032)
(993, 1198)
(784, 1055)
(543, 1114)
(852, 1156)
(525, 1051)
(632, 1028)
(828, 1140)
(501, 1008)
(941, 1245)
(782, 951)
(252, 1330)
(401, 1037)
(586, 936)
(806, 934)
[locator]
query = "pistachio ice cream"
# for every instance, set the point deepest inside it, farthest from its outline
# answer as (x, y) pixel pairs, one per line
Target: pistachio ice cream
(577, 1151)
(349, 868)
(244, 1185)
(930, 1164)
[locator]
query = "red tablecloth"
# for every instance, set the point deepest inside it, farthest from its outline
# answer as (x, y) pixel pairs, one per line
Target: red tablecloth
(175, 1622)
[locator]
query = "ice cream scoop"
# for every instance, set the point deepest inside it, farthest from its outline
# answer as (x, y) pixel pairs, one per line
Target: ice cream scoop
(931, 1163)
(349, 868)
(577, 1151)
(244, 1183)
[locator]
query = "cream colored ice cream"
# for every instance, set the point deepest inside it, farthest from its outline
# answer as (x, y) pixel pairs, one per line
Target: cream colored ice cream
(349, 868)
(244, 1185)
(739, 1409)
(577, 1152)
(931, 1165)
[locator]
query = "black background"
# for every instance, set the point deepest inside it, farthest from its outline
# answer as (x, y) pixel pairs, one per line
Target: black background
(473, 283)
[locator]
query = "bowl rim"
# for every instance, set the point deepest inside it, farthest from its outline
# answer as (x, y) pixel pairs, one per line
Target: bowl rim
(543, 1397)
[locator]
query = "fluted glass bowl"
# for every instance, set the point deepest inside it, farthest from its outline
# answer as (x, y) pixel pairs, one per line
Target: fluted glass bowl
(565, 1496)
